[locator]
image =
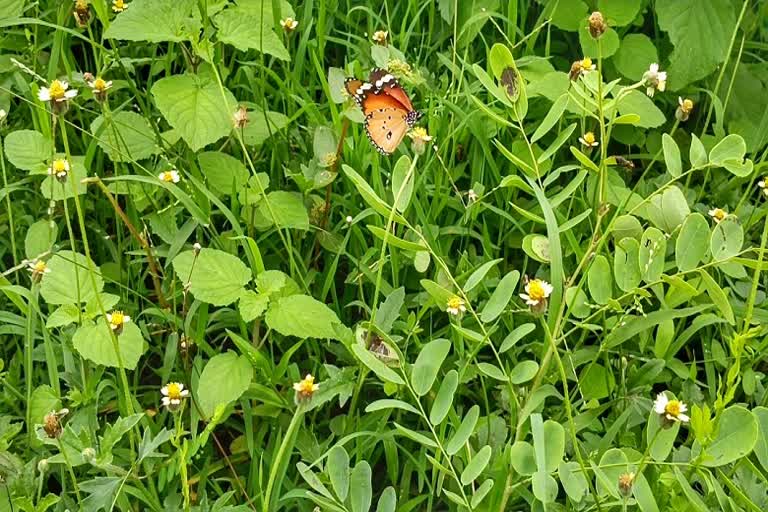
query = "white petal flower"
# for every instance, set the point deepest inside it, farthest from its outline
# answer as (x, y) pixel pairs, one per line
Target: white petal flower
(44, 94)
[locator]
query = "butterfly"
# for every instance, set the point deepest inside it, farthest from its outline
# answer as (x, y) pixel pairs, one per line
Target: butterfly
(388, 110)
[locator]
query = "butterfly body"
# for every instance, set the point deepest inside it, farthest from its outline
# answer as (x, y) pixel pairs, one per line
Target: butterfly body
(388, 110)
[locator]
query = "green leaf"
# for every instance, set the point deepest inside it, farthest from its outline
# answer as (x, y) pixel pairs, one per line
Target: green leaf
(600, 280)
(500, 297)
(609, 42)
(252, 305)
(43, 401)
(338, 471)
(370, 196)
(635, 102)
(389, 403)
(552, 117)
(195, 107)
(653, 248)
(662, 439)
(634, 325)
(94, 343)
(737, 431)
(155, 21)
(262, 125)
(28, 150)
(246, 30)
(402, 190)
(476, 465)
(544, 487)
(698, 153)
(732, 147)
(718, 296)
(387, 500)
(573, 480)
(523, 458)
(427, 365)
(376, 366)
(523, 372)
(700, 31)
(761, 447)
(693, 498)
(626, 264)
(69, 280)
(727, 239)
(11, 8)
(672, 156)
(312, 479)
(554, 445)
(223, 380)
(125, 137)
(516, 335)
(492, 371)
(619, 12)
(361, 492)
(224, 173)
(691, 246)
(302, 316)
(465, 430)
(39, 238)
(415, 436)
(288, 210)
(478, 275)
(63, 191)
(444, 398)
(214, 276)
(481, 493)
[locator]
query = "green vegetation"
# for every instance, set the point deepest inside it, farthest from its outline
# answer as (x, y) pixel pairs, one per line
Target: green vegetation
(217, 295)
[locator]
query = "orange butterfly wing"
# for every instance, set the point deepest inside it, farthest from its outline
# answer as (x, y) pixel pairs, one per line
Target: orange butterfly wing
(386, 127)
(385, 82)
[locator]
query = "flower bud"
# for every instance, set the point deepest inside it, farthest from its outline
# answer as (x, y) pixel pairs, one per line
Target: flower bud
(597, 26)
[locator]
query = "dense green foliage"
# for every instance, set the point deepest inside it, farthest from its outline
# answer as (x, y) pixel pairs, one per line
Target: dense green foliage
(218, 296)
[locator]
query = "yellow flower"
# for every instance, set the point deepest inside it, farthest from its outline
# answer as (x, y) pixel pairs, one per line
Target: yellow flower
(117, 319)
(119, 5)
(82, 13)
(38, 269)
(171, 176)
(306, 387)
(684, 109)
(173, 394)
(536, 292)
(625, 483)
(59, 169)
(588, 140)
(456, 306)
(762, 185)
(289, 24)
(718, 214)
(586, 65)
(420, 138)
(58, 91)
(654, 79)
(380, 37)
(672, 410)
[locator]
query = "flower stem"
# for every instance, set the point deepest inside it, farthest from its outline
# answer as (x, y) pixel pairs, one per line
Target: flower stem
(280, 462)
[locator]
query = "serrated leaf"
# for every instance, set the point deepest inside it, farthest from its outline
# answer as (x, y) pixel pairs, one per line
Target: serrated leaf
(246, 30)
(223, 380)
(155, 21)
(125, 136)
(302, 316)
(94, 343)
(214, 276)
(69, 280)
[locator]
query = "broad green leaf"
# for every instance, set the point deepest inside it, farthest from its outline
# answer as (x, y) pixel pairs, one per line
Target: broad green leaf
(544, 487)
(51, 188)
(28, 150)
(523, 458)
(573, 480)
(195, 107)
(718, 296)
(536, 246)
(389, 403)
(302, 316)
(568, 14)
(619, 12)
(554, 445)
(761, 447)
(668, 209)
(596, 382)
(376, 366)
(465, 430)
(523, 372)
(402, 190)
(262, 125)
(737, 432)
(223, 380)
(287, 208)
(69, 280)
(312, 479)
(40, 238)
(476, 465)
(225, 173)
(500, 297)
(577, 302)
(155, 21)
(672, 156)
(43, 401)
(389, 310)
(481, 493)
(693, 498)
(552, 117)
(634, 325)
(94, 342)
(626, 265)
(213, 276)
(11, 8)
(727, 239)
(252, 305)
(732, 147)
(698, 153)
(387, 500)
(246, 30)
(361, 493)
(653, 248)
(627, 226)
(609, 42)
(439, 294)
(600, 280)
(125, 136)
(516, 335)
(338, 471)
(692, 244)
(478, 275)
(427, 365)
(700, 31)
(635, 102)
(444, 398)
(415, 436)
(492, 371)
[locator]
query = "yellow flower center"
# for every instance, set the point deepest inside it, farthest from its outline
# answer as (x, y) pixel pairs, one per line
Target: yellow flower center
(81, 5)
(174, 391)
(167, 176)
(719, 214)
(589, 138)
(117, 319)
(119, 5)
(536, 290)
(306, 387)
(57, 90)
(39, 267)
(687, 105)
(329, 159)
(673, 408)
(586, 63)
(100, 84)
(455, 302)
(59, 166)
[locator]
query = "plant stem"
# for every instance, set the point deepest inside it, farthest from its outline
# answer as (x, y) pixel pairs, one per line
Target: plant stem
(281, 459)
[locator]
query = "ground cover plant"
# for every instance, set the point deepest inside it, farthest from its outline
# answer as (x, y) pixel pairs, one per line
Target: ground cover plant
(517, 267)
